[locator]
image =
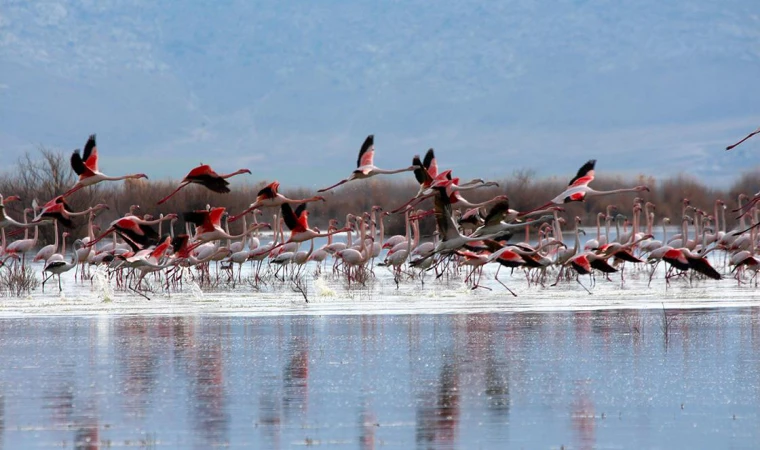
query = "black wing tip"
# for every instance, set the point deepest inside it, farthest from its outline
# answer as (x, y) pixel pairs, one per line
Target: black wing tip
(368, 142)
(429, 157)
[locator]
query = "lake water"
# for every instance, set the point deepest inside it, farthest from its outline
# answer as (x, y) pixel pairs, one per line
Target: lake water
(578, 379)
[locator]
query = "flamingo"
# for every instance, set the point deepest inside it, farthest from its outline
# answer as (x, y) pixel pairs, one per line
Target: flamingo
(365, 166)
(298, 224)
(494, 223)
(86, 166)
(586, 262)
(57, 267)
(58, 210)
(22, 246)
(743, 139)
(205, 175)
(270, 197)
(578, 189)
(451, 238)
(208, 225)
(7, 221)
(133, 230)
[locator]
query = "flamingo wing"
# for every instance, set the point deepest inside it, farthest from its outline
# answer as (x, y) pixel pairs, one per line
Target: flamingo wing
(90, 155)
(290, 218)
(442, 207)
(430, 163)
(585, 174)
(268, 192)
(702, 266)
(420, 173)
(196, 217)
(367, 152)
(497, 212)
(206, 176)
(214, 218)
(78, 165)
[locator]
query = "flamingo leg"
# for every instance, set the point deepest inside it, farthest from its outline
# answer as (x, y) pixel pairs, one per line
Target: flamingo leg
(72, 190)
(181, 185)
(334, 185)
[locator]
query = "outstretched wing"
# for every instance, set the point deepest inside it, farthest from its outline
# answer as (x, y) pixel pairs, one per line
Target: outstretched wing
(269, 191)
(300, 209)
(195, 217)
(290, 218)
(497, 212)
(420, 173)
(442, 207)
(78, 165)
(430, 163)
(585, 174)
(367, 152)
(90, 155)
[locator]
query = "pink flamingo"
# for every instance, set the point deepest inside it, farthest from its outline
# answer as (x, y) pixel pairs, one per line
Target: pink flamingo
(205, 175)
(86, 166)
(578, 189)
(365, 166)
(270, 197)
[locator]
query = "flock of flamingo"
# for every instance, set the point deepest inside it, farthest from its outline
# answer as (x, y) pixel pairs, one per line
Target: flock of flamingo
(468, 236)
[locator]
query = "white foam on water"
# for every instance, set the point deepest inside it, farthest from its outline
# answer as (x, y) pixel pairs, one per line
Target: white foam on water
(328, 294)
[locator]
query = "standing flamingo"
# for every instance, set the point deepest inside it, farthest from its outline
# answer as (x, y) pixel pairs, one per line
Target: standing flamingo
(206, 176)
(365, 166)
(86, 166)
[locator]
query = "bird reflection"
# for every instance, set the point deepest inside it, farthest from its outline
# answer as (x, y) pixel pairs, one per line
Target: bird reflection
(584, 416)
(497, 386)
(438, 423)
(296, 376)
(367, 425)
(138, 361)
(209, 411)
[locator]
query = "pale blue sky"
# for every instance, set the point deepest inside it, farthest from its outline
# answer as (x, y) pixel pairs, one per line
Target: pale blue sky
(291, 89)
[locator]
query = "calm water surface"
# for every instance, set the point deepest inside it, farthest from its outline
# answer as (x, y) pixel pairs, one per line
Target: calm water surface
(597, 379)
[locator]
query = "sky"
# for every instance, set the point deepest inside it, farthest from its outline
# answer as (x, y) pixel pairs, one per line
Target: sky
(291, 89)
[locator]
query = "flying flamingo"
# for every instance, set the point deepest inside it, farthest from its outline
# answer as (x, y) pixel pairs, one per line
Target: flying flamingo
(451, 238)
(209, 225)
(365, 166)
(86, 166)
(134, 230)
(578, 188)
(744, 139)
(206, 176)
(298, 224)
(57, 209)
(270, 197)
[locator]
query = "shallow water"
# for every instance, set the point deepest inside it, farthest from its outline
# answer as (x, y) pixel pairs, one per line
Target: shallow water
(584, 379)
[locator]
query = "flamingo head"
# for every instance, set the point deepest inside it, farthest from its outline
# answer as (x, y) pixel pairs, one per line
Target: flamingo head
(171, 216)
